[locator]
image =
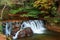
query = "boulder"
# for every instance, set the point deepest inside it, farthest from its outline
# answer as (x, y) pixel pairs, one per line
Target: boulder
(15, 29)
(25, 33)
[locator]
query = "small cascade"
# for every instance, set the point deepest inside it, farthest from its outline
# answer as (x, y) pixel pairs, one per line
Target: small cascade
(37, 26)
(8, 28)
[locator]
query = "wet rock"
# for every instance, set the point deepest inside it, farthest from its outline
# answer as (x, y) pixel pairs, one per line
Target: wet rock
(15, 29)
(25, 33)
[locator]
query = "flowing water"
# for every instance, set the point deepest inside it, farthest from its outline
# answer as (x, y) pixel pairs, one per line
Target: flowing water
(37, 27)
(8, 28)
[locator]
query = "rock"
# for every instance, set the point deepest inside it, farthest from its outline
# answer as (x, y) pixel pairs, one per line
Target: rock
(15, 29)
(54, 28)
(25, 33)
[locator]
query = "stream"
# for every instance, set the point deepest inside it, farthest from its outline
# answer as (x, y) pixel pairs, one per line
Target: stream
(37, 26)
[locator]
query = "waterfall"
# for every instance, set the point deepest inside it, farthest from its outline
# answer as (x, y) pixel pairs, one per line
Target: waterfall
(37, 27)
(8, 28)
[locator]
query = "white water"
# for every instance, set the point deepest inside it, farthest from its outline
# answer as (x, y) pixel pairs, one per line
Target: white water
(16, 35)
(37, 27)
(8, 28)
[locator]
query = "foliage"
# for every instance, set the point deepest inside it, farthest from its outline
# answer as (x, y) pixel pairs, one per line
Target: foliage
(7, 2)
(53, 20)
(45, 8)
(45, 5)
(49, 10)
(0, 28)
(31, 13)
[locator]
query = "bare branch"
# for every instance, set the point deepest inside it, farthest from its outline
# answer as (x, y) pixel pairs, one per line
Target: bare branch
(3, 11)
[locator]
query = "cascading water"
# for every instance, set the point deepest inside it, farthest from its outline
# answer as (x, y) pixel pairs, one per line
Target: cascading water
(8, 28)
(37, 27)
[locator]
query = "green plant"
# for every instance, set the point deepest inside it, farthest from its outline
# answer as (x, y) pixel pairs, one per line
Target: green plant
(0, 28)
(45, 8)
(31, 13)
(49, 8)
